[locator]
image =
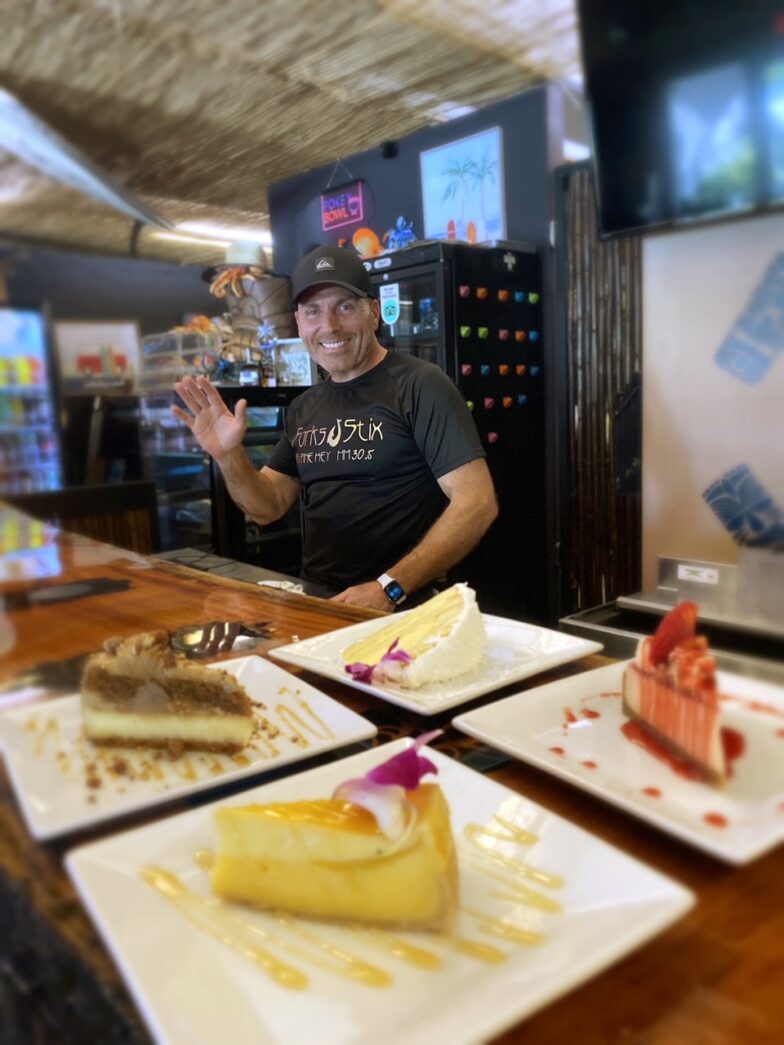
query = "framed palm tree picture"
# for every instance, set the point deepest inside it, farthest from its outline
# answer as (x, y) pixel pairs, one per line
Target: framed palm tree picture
(463, 188)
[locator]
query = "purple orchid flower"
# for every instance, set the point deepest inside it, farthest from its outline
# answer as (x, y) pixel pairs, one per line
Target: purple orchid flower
(382, 791)
(364, 672)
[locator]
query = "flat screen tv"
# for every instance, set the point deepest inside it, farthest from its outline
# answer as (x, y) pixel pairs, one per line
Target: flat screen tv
(686, 108)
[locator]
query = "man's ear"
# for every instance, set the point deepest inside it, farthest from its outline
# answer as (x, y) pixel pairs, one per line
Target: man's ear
(375, 308)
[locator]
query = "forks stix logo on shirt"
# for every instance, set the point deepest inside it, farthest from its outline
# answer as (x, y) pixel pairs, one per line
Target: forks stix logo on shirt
(315, 445)
(343, 431)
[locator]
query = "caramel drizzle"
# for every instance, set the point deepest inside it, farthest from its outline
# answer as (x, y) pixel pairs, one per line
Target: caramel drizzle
(406, 952)
(480, 952)
(296, 723)
(150, 769)
(500, 927)
(220, 927)
(472, 834)
(50, 728)
(355, 968)
(183, 767)
(519, 892)
(509, 832)
(272, 751)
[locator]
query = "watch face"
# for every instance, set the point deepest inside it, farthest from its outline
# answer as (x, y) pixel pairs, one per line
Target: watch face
(394, 591)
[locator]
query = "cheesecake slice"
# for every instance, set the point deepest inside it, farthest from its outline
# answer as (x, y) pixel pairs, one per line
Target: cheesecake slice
(334, 859)
(139, 693)
(437, 641)
(670, 688)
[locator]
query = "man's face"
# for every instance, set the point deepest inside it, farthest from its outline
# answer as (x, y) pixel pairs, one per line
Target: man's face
(339, 331)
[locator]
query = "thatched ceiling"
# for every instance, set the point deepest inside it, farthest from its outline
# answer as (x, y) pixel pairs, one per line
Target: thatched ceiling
(196, 106)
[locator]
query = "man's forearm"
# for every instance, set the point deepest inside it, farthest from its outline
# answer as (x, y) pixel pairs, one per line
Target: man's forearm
(451, 537)
(249, 490)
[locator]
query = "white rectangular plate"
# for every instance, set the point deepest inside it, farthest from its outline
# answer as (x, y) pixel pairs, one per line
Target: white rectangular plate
(64, 783)
(192, 988)
(513, 651)
(736, 823)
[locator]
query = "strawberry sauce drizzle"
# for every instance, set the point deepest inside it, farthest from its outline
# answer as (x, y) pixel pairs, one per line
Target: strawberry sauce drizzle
(637, 734)
(715, 819)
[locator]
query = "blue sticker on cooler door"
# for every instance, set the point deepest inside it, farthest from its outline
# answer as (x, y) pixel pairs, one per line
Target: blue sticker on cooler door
(389, 299)
(757, 337)
(748, 512)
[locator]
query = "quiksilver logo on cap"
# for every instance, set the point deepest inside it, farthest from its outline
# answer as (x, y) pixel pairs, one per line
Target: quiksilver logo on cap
(324, 263)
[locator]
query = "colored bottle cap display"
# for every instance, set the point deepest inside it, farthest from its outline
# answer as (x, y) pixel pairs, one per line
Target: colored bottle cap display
(503, 334)
(533, 298)
(481, 293)
(519, 335)
(483, 332)
(465, 331)
(492, 437)
(503, 369)
(534, 371)
(466, 369)
(503, 295)
(484, 369)
(520, 369)
(464, 290)
(522, 400)
(519, 296)
(470, 404)
(534, 335)
(507, 402)
(489, 402)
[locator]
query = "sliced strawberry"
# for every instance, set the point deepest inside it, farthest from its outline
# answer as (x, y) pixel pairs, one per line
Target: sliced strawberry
(677, 627)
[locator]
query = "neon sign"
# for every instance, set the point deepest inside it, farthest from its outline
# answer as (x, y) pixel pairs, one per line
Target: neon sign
(342, 206)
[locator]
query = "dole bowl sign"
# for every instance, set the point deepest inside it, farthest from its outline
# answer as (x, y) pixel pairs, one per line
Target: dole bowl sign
(342, 206)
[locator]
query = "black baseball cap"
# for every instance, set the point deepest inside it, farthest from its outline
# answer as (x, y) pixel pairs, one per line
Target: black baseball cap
(327, 266)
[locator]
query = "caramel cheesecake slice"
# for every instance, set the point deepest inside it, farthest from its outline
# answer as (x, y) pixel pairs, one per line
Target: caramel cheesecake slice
(332, 858)
(139, 693)
(439, 640)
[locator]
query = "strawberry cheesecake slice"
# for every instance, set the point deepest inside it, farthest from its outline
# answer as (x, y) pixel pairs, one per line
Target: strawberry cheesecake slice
(670, 690)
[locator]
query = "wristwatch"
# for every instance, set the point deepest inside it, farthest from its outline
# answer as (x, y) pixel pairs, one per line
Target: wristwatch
(393, 590)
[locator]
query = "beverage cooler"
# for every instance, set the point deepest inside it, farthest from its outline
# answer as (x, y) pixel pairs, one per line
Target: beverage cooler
(29, 435)
(476, 312)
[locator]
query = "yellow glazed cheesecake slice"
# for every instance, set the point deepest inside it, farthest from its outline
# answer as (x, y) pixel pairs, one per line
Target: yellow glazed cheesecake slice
(331, 859)
(442, 638)
(139, 693)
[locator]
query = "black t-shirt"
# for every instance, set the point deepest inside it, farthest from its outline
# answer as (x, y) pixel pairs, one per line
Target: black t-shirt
(368, 453)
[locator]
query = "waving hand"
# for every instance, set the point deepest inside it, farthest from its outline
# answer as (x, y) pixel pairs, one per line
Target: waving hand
(217, 430)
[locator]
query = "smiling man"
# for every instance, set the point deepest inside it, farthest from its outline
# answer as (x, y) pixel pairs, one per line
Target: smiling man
(385, 452)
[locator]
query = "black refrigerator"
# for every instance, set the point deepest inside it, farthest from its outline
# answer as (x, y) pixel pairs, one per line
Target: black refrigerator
(476, 312)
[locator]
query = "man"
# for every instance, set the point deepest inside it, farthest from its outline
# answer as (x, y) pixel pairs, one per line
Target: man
(395, 486)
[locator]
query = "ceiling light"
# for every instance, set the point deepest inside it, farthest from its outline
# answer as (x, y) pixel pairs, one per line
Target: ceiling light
(233, 233)
(191, 239)
(450, 111)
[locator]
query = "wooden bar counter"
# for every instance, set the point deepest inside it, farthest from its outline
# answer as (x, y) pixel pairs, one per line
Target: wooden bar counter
(715, 977)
